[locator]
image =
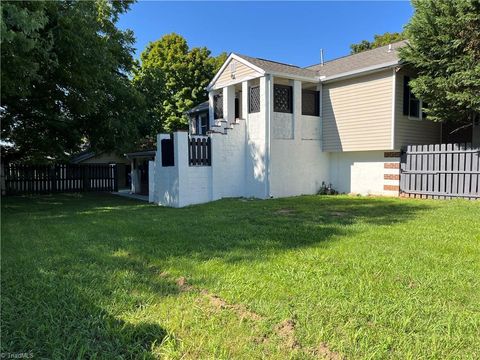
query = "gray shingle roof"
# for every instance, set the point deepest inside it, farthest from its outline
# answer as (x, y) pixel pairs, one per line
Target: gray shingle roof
(200, 107)
(82, 156)
(358, 61)
(279, 68)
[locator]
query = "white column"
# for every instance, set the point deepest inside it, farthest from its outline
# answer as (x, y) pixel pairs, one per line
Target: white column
(211, 120)
(297, 110)
(180, 146)
(245, 100)
(229, 104)
(266, 110)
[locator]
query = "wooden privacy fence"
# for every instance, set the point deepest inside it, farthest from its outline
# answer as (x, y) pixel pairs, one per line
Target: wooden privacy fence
(440, 171)
(36, 179)
(199, 151)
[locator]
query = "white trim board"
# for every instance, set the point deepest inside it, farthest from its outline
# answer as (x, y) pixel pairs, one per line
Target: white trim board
(233, 56)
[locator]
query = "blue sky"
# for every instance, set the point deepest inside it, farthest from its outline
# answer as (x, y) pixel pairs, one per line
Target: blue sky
(290, 32)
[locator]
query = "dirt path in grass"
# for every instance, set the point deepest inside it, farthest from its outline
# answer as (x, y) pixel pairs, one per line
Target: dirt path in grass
(284, 330)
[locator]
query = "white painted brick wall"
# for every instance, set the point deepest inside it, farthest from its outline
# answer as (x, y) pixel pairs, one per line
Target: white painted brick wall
(311, 127)
(360, 172)
(282, 125)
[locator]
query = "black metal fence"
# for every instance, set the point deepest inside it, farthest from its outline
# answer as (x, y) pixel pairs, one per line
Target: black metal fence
(199, 151)
(37, 179)
(440, 171)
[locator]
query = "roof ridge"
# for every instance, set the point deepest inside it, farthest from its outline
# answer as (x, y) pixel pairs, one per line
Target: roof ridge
(345, 56)
(278, 62)
(272, 61)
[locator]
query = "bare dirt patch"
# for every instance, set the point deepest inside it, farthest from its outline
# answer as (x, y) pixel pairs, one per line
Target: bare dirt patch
(339, 213)
(217, 302)
(241, 311)
(324, 352)
(286, 331)
(183, 285)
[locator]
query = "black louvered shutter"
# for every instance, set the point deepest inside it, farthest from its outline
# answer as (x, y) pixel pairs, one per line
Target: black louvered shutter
(406, 95)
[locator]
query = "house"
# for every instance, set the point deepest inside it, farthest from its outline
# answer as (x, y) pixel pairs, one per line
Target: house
(279, 130)
(123, 165)
(132, 168)
(139, 175)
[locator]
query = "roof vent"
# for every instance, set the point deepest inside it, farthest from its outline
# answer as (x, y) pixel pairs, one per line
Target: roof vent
(233, 69)
(389, 48)
(321, 57)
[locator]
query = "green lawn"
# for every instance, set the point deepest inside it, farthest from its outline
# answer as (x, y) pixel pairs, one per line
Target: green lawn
(308, 277)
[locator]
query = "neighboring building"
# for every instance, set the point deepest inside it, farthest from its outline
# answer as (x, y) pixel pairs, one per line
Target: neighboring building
(140, 172)
(280, 130)
(123, 164)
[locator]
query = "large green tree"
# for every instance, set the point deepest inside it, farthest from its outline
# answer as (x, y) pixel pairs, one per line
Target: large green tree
(378, 40)
(173, 78)
(65, 78)
(444, 49)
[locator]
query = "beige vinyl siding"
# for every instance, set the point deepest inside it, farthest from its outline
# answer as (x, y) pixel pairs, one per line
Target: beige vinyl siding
(242, 72)
(357, 113)
(412, 131)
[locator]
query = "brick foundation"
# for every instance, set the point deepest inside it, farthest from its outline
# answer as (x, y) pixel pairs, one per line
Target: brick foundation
(391, 176)
(392, 165)
(391, 154)
(391, 187)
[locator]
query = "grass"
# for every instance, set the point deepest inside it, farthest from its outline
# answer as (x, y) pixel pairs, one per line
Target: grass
(96, 276)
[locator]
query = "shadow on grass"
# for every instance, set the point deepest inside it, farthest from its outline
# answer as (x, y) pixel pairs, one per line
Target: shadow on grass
(67, 257)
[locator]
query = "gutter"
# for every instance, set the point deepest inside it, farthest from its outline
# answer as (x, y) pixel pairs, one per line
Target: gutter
(268, 109)
(359, 72)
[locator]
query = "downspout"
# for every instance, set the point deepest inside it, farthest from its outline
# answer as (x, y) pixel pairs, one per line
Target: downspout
(394, 90)
(268, 109)
(320, 95)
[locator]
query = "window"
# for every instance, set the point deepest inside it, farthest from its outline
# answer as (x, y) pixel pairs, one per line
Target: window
(412, 106)
(282, 98)
(310, 102)
(254, 99)
(201, 124)
(218, 106)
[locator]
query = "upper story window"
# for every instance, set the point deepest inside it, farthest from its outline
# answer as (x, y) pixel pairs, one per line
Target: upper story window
(412, 106)
(310, 102)
(218, 106)
(282, 99)
(254, 99)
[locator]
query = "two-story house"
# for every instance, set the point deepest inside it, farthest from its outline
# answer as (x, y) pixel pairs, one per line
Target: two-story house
(280, 130)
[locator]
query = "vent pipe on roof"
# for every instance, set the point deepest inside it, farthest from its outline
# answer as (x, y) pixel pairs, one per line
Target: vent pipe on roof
(321, 57)
(389, 47)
